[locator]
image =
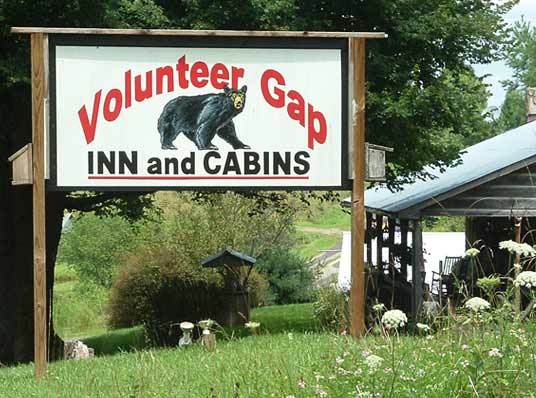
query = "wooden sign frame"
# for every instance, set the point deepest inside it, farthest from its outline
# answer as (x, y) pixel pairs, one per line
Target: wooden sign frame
(356, 125)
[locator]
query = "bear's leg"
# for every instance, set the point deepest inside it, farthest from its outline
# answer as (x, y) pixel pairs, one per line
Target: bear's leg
(228, 134)
(203, 138)
(167, 135)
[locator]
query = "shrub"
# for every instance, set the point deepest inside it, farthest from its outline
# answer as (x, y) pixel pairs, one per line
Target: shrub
(164, 283)
(331, 308)
(289, 276)
(160, 288)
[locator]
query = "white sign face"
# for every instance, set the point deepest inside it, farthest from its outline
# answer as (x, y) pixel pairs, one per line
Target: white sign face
(186, 117)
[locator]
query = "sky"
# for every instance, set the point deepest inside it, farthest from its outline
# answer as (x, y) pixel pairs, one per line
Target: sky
(499, 70)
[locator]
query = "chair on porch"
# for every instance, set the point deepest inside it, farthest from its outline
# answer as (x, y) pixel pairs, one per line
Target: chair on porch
(441, 281)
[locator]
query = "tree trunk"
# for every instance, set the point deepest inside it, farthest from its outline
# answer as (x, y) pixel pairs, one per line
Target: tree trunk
(16, 238)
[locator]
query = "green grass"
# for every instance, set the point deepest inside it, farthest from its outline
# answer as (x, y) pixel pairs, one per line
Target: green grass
(311, 244)
(78, 311)
(327, 215)
(301, 365)
(273, 320)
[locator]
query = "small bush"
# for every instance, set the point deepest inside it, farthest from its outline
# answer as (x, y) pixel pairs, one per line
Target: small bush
(289, 276)
(331, 308)
(159, 289)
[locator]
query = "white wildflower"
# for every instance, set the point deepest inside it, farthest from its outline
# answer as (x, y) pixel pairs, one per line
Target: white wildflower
(472, 252)
(394, 319)
(526, 279)
(494, 352)
(423, 327)
(374, 362)
(517, 266)
(477, 304)
(523, 249)
(378, 308)
(252, 325)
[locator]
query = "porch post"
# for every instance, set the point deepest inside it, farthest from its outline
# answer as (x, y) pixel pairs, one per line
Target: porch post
(416, 270)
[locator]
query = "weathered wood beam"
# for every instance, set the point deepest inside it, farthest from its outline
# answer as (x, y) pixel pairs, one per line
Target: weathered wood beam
(417, 269)
(184, 32)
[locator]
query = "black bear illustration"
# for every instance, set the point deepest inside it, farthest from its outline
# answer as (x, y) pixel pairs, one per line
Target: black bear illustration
(201, 117)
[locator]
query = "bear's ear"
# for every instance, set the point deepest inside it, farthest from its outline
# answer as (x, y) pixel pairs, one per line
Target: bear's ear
(226, 89)
(244, 88)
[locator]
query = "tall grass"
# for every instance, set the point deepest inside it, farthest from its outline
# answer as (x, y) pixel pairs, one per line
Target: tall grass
(301, 365)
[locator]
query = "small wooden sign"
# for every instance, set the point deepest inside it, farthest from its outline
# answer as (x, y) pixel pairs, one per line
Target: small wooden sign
(22, 166)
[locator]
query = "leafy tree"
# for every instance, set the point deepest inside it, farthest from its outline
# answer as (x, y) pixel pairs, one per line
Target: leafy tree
(94, 246)
(513, 111)
(519, 56)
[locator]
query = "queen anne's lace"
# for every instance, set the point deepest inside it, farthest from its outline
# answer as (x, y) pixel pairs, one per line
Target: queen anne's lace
(523, 249)
(526, 279)
(477, 304)
(472, 252)
(374, 362)
(394, 319)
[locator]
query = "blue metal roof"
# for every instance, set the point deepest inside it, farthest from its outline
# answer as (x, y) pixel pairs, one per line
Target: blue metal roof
(477, 161)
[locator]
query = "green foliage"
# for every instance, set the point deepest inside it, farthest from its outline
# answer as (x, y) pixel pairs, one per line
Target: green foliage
(79, 312)
(136, 14)
(94, 246)
(289, 276)
(291, 318)
(163, 282)
(513, 111)
(519, 57)
(331, 309)
(159, 287)
(444, 224)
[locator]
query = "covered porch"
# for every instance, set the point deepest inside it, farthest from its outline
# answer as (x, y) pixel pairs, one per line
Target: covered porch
(493, 187)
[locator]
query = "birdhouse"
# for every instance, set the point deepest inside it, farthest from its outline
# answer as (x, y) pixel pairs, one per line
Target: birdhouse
(375, 162)
(22, 166)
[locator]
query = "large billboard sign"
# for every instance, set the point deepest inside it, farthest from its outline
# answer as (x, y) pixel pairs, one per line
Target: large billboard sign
(198, 112)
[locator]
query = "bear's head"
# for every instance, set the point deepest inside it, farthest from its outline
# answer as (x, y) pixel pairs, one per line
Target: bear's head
(238, 97)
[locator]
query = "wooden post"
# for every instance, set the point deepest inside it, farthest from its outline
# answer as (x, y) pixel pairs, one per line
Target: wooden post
(404, 245)
(368, 239)
(417, 266)
(357, 105)
(379, 242)
(38, 167)
(391, 222)
(517, 290)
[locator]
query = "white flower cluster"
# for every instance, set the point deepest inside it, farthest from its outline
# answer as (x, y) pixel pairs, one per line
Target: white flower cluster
(523, 249)
(394, 319)
(252, 325)
(374, 362)
(472, 252)
(380, 307)
(477, 304)
(424, 327)
(526, 279)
